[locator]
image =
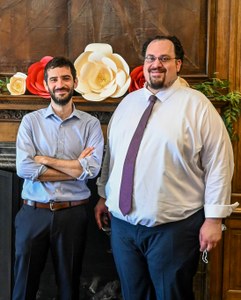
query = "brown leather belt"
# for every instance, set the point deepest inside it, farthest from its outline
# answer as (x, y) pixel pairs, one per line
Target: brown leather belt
(53, 206)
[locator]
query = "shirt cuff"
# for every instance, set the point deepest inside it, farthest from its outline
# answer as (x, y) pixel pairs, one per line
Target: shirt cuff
(39, 172)
(86, 169)
(219, 211)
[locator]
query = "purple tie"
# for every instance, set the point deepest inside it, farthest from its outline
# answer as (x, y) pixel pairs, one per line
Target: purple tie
(126, 186)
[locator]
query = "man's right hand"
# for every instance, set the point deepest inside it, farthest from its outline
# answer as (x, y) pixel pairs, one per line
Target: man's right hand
(102, 215)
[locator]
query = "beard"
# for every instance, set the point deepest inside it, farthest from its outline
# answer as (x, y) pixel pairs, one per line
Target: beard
(62, 101)
(157, 83)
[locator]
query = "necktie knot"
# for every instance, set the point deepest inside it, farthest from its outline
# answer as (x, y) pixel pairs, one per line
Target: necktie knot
(152, 98)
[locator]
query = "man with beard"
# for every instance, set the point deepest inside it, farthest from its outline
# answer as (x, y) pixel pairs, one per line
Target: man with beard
(58, 149)
(181, 184)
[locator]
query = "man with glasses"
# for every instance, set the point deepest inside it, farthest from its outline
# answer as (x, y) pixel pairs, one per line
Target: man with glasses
(181, 183)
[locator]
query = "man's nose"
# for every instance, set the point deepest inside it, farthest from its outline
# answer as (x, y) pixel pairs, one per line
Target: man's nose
(59, 83)
(157, 62)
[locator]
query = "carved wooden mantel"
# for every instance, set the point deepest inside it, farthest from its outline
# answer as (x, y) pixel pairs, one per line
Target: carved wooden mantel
(31, 102)
(13, 108)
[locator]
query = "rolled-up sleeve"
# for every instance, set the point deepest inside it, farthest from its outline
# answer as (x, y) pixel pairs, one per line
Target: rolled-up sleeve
(217, 160)
(91, 164)
(26, 167)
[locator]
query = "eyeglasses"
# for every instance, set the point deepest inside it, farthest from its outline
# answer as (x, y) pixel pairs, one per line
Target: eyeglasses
(163, 58)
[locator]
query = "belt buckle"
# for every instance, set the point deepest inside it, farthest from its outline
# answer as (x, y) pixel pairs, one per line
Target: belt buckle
(51, 206)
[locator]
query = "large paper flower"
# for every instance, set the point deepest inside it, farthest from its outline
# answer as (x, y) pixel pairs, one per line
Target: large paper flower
(138, 79)
(101, 73)
(17, 84)
(36, 77)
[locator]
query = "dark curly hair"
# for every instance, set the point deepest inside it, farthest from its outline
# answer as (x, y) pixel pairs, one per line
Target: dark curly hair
(58, 62)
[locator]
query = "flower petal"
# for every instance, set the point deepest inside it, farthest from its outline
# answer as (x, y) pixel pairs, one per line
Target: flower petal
(20, 74)
(110, 63)
(93, 97)
(34, 67)
(137, 79)
(99, 47)
(121, 91)
(40, 88)
(82, 87)
(80, 61)
(120, 78)
(95, 57)
(86, 71)
(108, 92)
(121, 63)
(46, 59)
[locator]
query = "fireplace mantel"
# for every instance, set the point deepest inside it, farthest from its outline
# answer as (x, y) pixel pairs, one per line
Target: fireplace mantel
(31, 102)
(13, 108)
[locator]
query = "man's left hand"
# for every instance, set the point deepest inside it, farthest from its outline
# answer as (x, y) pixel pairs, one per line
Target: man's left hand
(210, 233)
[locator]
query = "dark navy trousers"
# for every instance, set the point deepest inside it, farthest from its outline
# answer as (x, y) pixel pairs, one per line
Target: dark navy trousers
(157, 263)
(39, 230)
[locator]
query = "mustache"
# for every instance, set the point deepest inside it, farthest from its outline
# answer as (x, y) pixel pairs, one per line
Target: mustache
(61, 90)
(159, 69)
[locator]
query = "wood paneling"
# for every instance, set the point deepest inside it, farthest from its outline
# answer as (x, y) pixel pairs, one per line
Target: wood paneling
(31, 29)
(232, 260)
(8, 131)
(228, 65)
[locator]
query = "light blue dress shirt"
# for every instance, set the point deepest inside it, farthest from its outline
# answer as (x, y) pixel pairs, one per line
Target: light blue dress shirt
(43, 133)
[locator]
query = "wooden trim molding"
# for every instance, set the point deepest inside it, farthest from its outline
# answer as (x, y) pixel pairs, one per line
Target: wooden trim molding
(32, 102)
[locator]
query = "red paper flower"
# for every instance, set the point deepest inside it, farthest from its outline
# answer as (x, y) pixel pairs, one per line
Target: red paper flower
(137, 79)
(35, 78)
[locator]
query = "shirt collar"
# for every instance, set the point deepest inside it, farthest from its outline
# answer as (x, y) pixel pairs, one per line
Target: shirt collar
(50, 112)
(164, 94)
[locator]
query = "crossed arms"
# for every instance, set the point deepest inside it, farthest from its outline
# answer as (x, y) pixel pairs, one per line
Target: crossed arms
(62, 169)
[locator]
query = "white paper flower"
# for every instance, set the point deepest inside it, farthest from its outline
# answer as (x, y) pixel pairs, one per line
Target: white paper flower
(101, 73)
(17, 84)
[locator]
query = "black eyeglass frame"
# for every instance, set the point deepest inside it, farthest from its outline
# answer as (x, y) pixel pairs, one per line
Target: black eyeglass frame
(162, 58)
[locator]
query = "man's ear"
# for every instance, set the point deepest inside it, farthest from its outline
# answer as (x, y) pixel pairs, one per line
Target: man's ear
(45, 85)
(75, 83)
(179, 65)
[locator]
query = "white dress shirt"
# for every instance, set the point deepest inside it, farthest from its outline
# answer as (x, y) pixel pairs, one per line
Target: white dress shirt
(185, 160)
